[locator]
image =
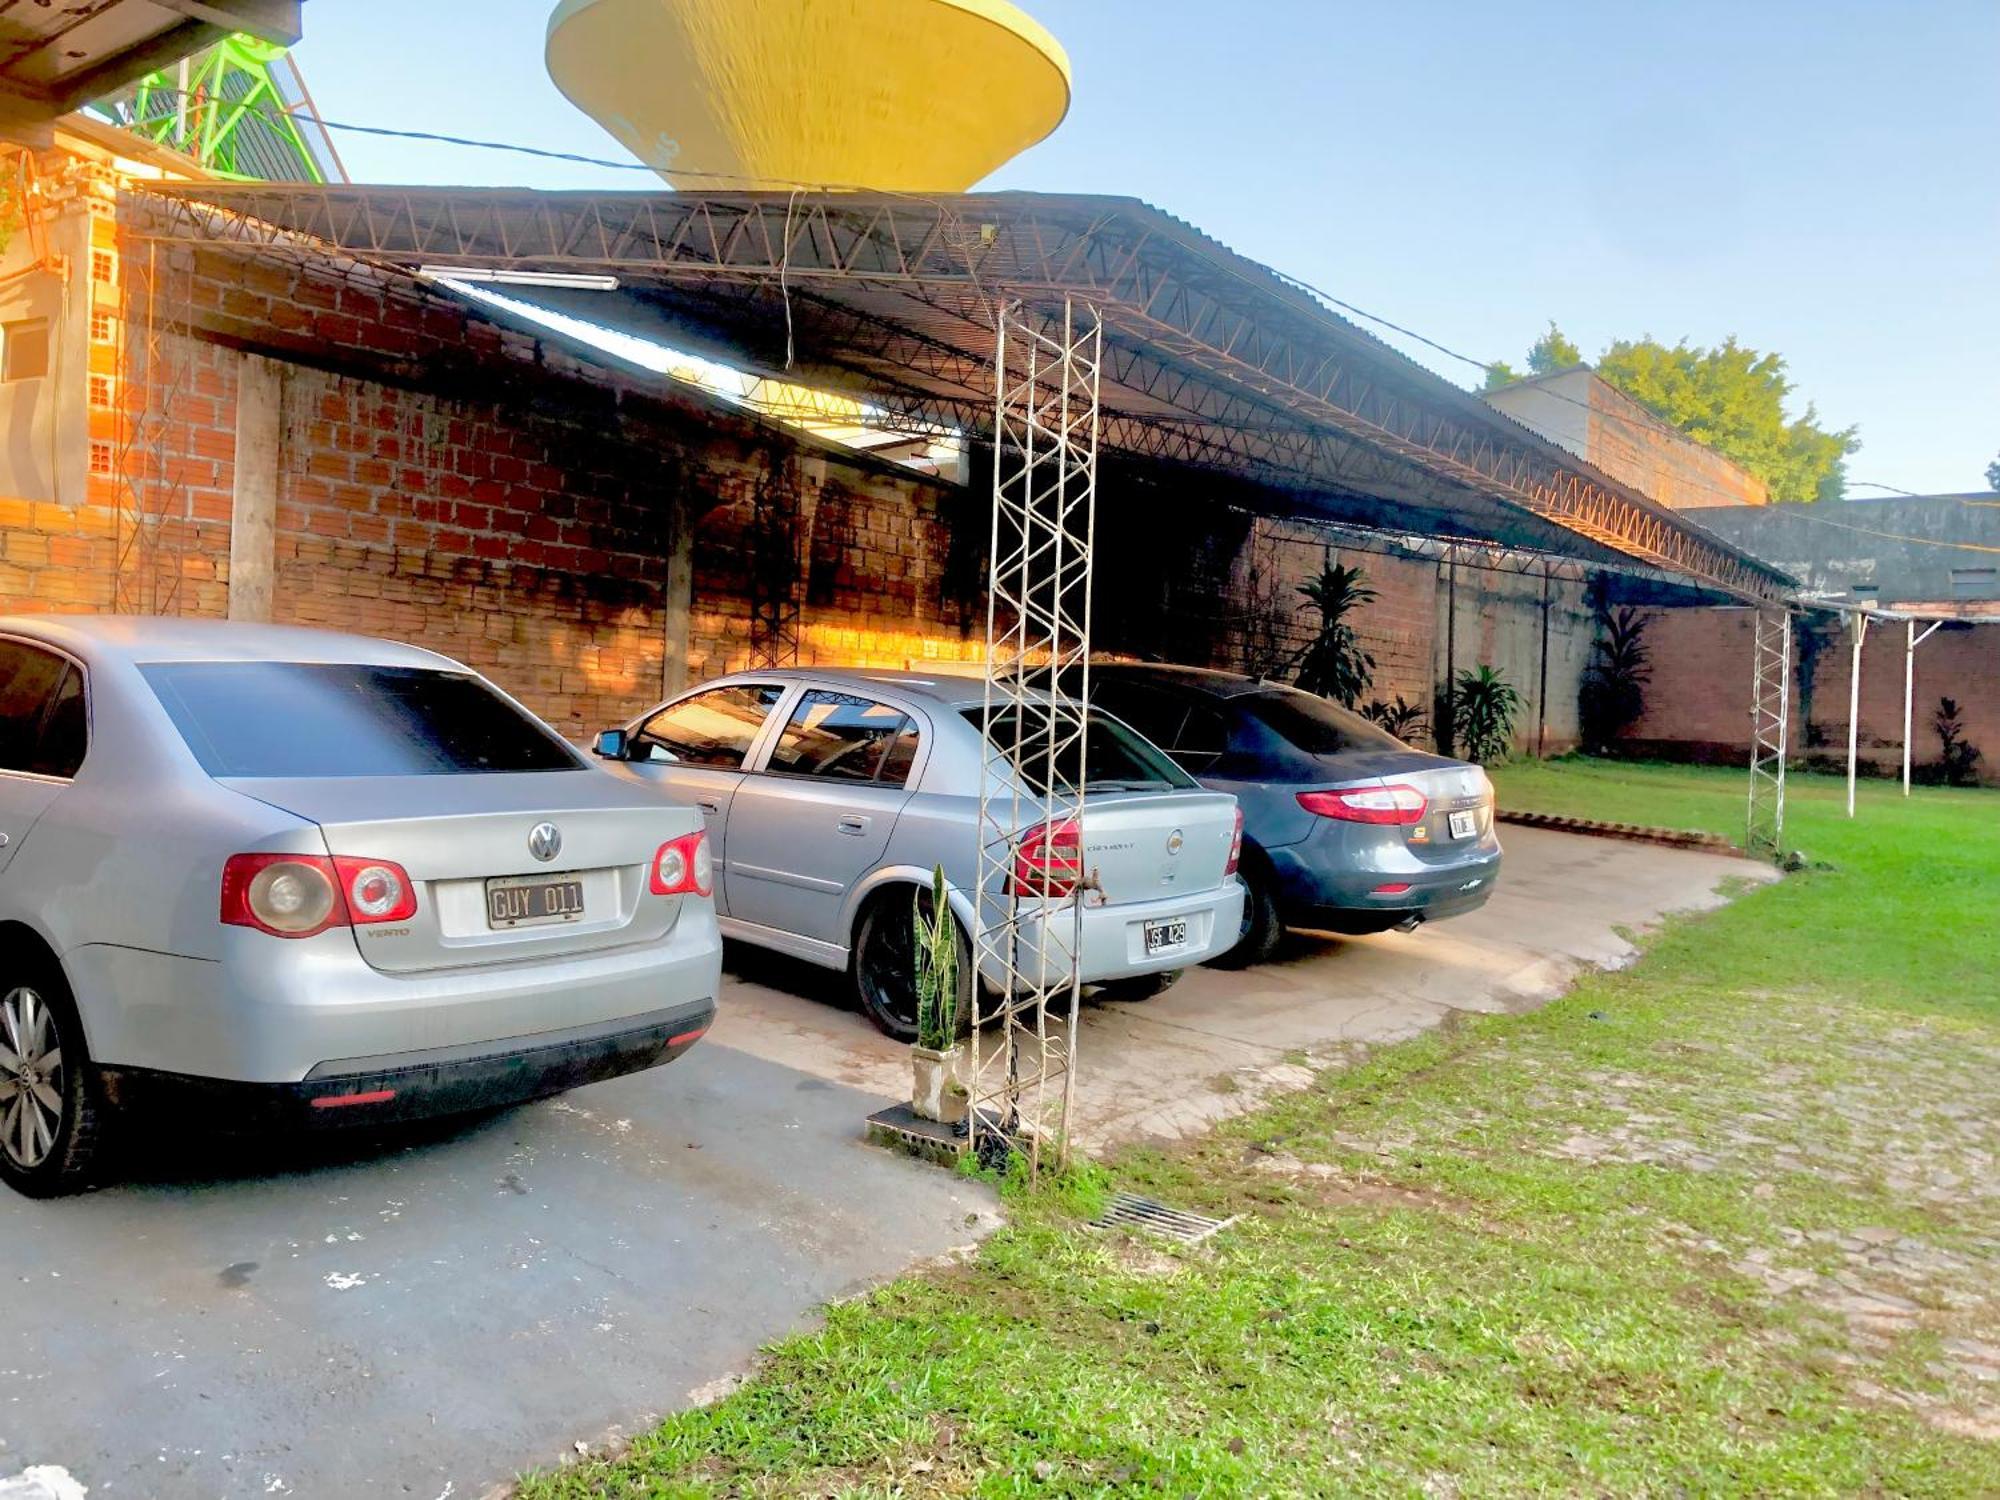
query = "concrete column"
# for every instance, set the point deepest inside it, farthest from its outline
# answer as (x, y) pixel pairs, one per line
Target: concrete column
(253, 518)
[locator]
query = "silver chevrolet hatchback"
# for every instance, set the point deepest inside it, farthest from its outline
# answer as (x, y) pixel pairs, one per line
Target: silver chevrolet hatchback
(266, 875)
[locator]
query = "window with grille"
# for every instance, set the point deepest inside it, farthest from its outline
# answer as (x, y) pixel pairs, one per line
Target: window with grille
(103, 266)
(100, 390)
(100, 328)
(100, 458)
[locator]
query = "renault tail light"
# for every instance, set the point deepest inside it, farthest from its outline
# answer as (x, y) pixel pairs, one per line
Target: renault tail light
(1368, 804)
(1235, 845)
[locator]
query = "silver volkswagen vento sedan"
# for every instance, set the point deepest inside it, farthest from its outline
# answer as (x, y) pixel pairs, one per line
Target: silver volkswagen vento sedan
(831, 794)
(267, 875)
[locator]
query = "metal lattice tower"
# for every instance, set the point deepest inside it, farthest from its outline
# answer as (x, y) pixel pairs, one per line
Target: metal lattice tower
(240, 108)
(1770, 716)
(1033, 882)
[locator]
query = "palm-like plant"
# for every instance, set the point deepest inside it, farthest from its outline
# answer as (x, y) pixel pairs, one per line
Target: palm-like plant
(1332, 663)
(1484, 705)
(1614, 685)
(1401, 718)
(937, 966)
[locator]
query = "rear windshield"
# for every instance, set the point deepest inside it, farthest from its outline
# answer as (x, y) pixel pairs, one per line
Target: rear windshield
(1315, 725)
(313, 719)
(1115, 759)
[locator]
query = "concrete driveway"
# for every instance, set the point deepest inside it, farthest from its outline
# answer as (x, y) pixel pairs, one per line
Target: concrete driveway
(426, 1315)
(430, 1314)
(1219, 1041)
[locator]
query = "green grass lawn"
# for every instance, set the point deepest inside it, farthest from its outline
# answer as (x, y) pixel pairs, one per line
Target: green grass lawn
(1725, 1222)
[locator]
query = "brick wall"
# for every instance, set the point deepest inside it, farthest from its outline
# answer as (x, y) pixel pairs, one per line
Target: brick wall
(1192, 579)
(1698, 703)
(451, 482)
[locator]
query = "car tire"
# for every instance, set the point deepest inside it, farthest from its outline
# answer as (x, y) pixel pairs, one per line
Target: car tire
(882, 965)
(52, 1108)
(1139, 986)
(1261, 925)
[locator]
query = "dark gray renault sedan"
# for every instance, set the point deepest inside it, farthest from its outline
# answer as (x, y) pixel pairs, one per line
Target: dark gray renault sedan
(1345, 827)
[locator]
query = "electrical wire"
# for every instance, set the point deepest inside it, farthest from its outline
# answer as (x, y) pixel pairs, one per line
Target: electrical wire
(796, 187)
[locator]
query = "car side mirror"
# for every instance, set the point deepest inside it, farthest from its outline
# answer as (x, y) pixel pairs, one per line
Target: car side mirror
(612, 744)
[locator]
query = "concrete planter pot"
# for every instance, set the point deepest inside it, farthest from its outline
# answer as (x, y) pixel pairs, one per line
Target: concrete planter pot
(936, 1093)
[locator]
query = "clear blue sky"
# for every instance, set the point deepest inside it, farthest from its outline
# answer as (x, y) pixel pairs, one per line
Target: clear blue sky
(1822, 179)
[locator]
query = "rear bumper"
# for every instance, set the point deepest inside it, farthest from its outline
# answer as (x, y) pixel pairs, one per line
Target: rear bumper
(1111, 940)
(278, 1012)
(1322, 893)
(418, 1085)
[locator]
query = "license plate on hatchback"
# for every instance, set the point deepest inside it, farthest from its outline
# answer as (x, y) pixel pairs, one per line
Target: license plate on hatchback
(1163, 935)
(533, 900)
(1463, 825)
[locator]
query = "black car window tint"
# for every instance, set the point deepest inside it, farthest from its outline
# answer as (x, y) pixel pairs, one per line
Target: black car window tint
(1154, 714)
(902, 756)
(1115, 759)
(28, 681)
(1315, 725)
(1202, 738)
(715, 728)
(60, 752)
(837, 736)
(348, 719)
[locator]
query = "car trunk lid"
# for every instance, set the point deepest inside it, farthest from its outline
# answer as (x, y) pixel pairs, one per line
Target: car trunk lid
(1449, 788)
(454, 834)
(1142, 846)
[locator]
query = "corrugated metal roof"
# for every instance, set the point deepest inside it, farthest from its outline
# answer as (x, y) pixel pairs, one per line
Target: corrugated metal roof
(1212, 362)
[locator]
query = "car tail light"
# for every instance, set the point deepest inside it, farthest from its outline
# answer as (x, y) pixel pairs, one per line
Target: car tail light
(376, 890)
(1235, 845)
(1368, 804)
(301, 895)
(1394, 888)
(683, 867)
(1048, 861)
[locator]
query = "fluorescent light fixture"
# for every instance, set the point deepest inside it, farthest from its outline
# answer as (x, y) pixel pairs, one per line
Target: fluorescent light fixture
(573, 280)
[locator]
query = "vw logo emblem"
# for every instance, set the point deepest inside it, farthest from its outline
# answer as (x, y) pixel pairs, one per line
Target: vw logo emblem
(545, 841)
(1174, 842)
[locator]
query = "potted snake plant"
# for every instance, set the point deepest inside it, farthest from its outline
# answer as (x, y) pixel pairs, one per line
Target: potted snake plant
(936, 1092)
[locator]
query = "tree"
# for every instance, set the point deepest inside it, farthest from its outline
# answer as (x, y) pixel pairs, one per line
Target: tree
(1550, 354)
(1333, 663)
(1731, 398)
(1993, 475)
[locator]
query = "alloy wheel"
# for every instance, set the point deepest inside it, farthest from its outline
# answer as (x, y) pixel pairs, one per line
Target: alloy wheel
(887, 967)
(31, 1077)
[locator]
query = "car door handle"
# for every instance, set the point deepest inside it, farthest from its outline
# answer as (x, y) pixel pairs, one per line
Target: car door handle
(707, 806)
(4, 841)
(853, 824)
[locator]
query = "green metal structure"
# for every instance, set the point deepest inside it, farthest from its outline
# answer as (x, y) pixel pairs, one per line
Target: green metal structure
(240, 108)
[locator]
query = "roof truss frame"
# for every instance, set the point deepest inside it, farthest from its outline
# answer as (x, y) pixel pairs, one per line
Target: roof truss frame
(1240, 370)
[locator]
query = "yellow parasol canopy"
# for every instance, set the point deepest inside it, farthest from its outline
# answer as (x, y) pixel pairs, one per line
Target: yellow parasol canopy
(908, 95)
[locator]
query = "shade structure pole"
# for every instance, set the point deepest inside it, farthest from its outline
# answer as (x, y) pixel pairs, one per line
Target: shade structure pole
(1033, 879)
(1910, 690)
(1770, 719)
(1860, 627)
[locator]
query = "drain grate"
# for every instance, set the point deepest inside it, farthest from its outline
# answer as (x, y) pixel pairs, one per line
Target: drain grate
(1130, 1211)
